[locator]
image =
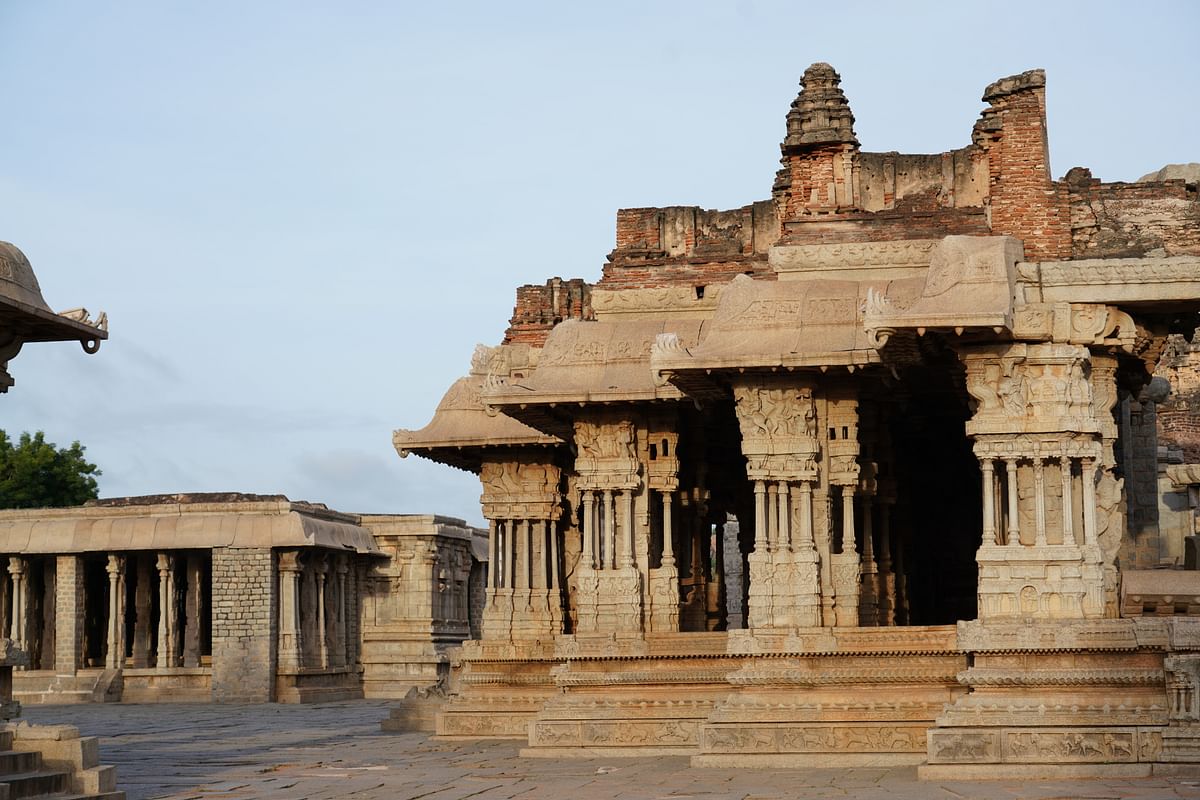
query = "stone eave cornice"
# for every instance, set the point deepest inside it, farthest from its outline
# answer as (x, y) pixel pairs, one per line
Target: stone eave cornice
(1112, 280)
(167, 526)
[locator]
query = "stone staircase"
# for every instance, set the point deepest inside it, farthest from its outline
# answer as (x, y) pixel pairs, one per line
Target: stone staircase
(73, 771)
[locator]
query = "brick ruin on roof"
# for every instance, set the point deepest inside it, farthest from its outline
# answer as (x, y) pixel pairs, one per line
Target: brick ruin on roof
(864, 473)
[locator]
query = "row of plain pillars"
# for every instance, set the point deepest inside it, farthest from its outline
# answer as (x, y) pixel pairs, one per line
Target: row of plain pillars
(175, 644)
(1009, 533)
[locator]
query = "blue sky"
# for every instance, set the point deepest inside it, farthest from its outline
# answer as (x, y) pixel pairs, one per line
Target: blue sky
(301, 217)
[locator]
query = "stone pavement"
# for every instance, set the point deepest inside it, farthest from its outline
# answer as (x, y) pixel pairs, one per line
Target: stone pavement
(336, 750)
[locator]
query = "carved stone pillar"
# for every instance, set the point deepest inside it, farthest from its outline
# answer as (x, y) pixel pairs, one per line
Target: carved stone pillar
(116, 612)
(989, 495)
(1068, 509)
(887, 578)
(588, 559)
(1039, 502)
(142, 635)
(321, 568)
(1014, 513)
(291, 650)
(610, 530)
(625, 560)
(493, 559)
(849, 544)
(668, 531)
(193, 608)
(868, 600)
(166, 610)
(1035, 405)
(760, 517)
(806, 515)
(1090, 535)
(847, 568)
(785, 516)
(760, 591)
(18, 621)
(341, 568)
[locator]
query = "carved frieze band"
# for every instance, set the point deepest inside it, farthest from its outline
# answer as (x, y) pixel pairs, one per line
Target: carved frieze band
(833, 738)
(1045, 746)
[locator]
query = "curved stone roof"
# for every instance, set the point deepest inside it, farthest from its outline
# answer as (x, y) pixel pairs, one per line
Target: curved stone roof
(461, 424)
(17, 281)
(24, 311)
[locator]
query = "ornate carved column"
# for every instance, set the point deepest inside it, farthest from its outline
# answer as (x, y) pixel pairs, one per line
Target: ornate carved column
(662, 476)
(521, 496)
(116, 612)
(1035, 404)
(607, 463)
(845, 471)
(778, 420)
(291, 650)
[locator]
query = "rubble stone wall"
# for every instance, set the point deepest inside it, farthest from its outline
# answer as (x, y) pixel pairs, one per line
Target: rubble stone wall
(1179, 415)
(1128, 220)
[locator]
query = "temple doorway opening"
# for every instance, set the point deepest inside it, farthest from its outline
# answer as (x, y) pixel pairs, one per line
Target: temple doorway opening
(938, 509)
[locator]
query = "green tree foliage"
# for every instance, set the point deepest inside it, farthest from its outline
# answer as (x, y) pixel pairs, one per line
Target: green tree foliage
(34, 473)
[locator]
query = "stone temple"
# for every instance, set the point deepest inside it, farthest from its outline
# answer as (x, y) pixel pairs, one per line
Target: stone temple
(867, 472)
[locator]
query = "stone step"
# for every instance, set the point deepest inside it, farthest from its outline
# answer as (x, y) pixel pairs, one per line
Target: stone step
(15, 762)
(36, 784)
(101, 796)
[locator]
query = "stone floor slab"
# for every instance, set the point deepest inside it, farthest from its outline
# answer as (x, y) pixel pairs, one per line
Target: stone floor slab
(336, 750)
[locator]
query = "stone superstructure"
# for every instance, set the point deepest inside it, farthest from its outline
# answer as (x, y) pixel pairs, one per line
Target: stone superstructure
(864, 473)
(231, 598)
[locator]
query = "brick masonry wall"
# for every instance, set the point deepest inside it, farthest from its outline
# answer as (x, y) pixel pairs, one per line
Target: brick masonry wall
(540, 307)
(68, 613)
(1023, 199)
(1179, 414)
(244, 625)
